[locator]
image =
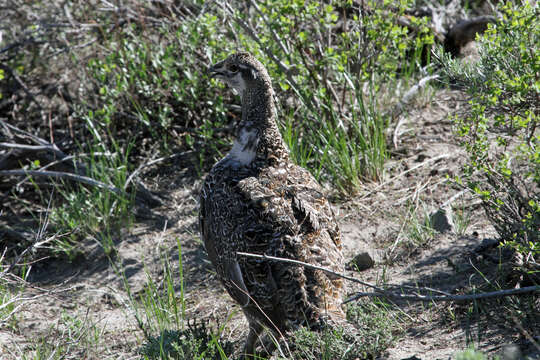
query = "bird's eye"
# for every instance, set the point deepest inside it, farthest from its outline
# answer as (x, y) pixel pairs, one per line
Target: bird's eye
(233, 68)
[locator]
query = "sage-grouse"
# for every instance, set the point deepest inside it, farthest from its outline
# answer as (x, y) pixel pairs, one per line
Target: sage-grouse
(256, 200)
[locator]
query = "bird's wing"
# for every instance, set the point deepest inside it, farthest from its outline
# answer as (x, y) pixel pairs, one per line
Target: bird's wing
(235, 284)
(289, 201)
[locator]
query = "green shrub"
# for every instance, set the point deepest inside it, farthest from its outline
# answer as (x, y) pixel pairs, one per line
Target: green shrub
(157, 88)
(374, 331)
(195, 342)
(470, 354)
(500, 131)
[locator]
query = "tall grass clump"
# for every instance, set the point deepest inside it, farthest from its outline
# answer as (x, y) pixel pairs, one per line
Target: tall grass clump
(94, 212)
(500, 130)
(160, 312)
(375, 331)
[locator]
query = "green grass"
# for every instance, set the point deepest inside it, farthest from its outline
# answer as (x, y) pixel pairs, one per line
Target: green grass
(11, 291)
(462, 218)
(160, 312)
(145, 93)
(333, 125)
(92, 213)
(373, 328)
(379, 325)
(346, 152)
(418, 228)
(196, 341)
(470, 354)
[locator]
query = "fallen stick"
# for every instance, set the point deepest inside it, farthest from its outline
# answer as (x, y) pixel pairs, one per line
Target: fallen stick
(62, 175)
(379, 292)
(456, 298)
(308, 266)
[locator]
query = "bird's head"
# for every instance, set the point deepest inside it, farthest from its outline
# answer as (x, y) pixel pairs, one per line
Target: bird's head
(241, 71)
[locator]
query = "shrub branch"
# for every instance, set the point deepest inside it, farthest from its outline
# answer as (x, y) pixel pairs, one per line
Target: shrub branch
(62, 175)
(380, 292)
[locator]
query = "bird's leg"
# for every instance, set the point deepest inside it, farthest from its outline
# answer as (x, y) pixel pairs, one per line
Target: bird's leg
(255, 329)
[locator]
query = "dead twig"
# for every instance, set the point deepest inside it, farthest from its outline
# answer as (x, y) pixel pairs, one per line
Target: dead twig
(62, 175)
(404, 101)
(379, 292)
(308, 266)
(456, 298)
(35, 138)
(50, 147)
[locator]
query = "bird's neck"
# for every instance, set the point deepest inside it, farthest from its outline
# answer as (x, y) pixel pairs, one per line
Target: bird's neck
(258, 136)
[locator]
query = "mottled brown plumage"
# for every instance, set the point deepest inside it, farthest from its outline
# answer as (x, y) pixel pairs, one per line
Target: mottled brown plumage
(256, 200)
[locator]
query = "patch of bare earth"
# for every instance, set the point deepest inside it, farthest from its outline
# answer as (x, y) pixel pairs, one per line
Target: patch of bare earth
(376, 221)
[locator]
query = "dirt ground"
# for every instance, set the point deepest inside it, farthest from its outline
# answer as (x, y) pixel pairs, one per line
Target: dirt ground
(375, 221)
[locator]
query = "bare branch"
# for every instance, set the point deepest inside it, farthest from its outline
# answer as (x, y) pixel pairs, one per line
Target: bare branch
(50, 147)
(457, 298)
(60, 175)
(379, 292)
(309, 266)
(404, 101)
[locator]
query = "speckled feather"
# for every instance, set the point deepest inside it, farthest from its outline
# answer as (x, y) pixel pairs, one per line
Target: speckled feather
(269, 206)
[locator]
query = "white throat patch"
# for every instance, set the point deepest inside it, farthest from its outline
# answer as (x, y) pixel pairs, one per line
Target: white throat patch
(244, 149)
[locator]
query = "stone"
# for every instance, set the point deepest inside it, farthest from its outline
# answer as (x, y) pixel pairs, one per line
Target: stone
(361, 262)
(441, 220)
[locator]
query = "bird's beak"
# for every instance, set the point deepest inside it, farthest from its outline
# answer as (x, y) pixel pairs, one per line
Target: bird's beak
(215, 70)
(212, 72)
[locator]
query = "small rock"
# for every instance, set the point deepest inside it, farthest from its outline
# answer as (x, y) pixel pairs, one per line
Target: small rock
(361, 262)
(420, 158)
(442, 220)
